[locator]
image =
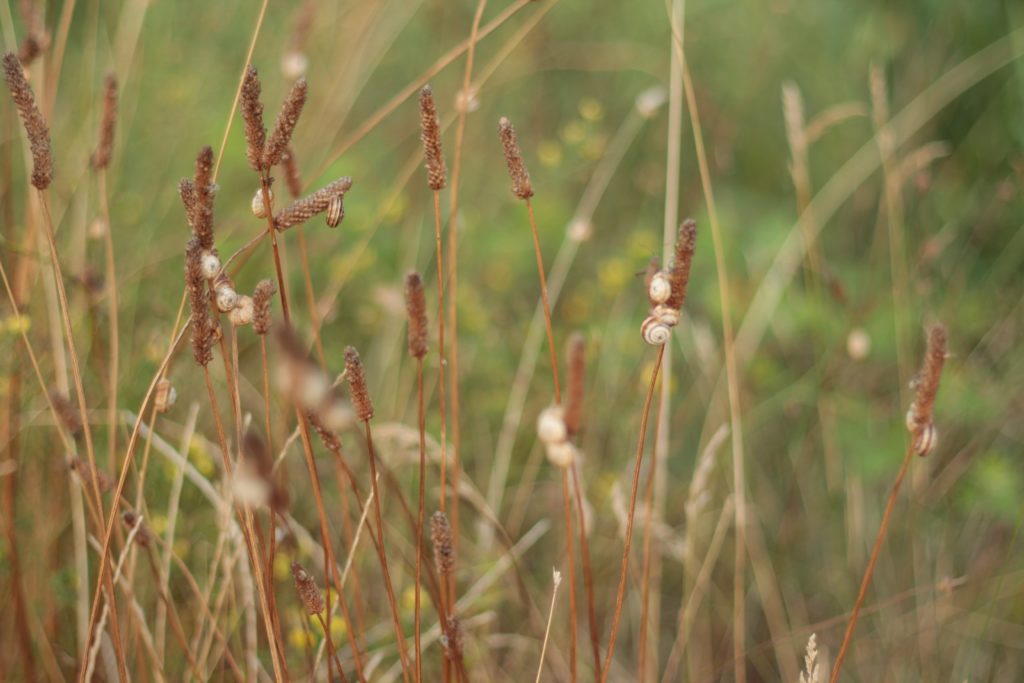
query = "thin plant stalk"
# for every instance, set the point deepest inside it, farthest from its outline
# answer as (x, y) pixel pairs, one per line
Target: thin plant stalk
(421, 414)
(547, 629)
(112, 292)
(588, 574)
(332, 656)
(621, 593)
(571, 565)
(440, 346)
(870, 570)
(645, 583)
(547, 308)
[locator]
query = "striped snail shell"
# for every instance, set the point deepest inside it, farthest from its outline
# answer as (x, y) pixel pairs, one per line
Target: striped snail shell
(335, 211)
(666, 314)
(210, 265)
(654, 331)
(227, 297)
(258, 208)
(561, 454)
(551, 426)
(660, 288)
(925, 440)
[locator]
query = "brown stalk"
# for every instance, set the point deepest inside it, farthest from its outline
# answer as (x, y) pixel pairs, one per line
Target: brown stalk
(416, 307)
(570, 559)
(648, 538)
(621, 593)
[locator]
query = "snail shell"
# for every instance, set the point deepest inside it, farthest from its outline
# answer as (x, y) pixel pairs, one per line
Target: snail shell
(654, 331)
(551, 426)
(924, 442)
(561, 454)
(911, 423)
(210, 265)
(227, 297)
(660, 288)
(335, 211)
(165, 396)
(258, 208)
(243, 312)
(666, 314)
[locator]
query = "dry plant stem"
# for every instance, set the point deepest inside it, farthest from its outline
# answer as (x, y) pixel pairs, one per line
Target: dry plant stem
(547, 310)
(645, 573)
(547, 630)
(421, 413)
(112, 292)
(571, 566)
(875, 550)
(629, 520)
(739, 616)
(268, 206)
(440, 346)
(331, 654)
(378, 518)
(314, 314)
(588, 575)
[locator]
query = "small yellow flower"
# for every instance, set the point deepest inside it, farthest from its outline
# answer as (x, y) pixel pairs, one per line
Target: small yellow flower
(409, 599)
(549, 153)
(300, 639)
(573, 133)
(590, 109)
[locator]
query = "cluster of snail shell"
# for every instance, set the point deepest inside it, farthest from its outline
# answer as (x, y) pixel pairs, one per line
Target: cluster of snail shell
(552, 432)
(239, 307)
(657, 327)
(925, 436)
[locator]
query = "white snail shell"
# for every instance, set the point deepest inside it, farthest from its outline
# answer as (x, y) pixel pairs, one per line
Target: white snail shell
(335, 211)
(294, 64)
(165, 396)
(210, 265)
(654, 331)
(226, 298)
(924, 442)
(243, 311)
(660, 288)
(911, 423)
(258, 208)
(561, 454)
(551, 426)
(666, 314)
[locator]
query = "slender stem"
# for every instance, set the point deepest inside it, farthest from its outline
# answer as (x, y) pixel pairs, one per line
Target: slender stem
(547, 629)
(547, 305)
(629, 520)
(112, 291)
(393, 604)
(875, 550)
(571, 566)
(420, 519)
(269, 209)
(588, 575)
(440, 345)
(645, 589)
(332, 656)
(314, 314)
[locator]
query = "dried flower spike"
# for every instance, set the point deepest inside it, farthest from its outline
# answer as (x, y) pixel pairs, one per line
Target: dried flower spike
(309, 592)
(252, 115)
(35, 126)
(101, 157)
(577, 378)
(281, 135)
(441, 538)
(416, 307)
(521, 186)
(66, 413)
(134, 522)
(88, 475)
(203, 327)
(679, 273)
(430, 134)
(202, 219)
(357, 385)
(919, 417)
(261, 298)
(302, 210)
(291, 173)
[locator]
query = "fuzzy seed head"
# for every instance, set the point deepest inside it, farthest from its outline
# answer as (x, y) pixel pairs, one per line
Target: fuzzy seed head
(416, 307)
(292, 178)
(203, 327)
(919, 417)
(301, 210)
(521, 186)
(252, 115)
(309, 593)
(261, 299)
(281, 135)
(35, 125)
(577, 379)
(679, 273)
(357, 385)
(101, 157)
(202, 218)
(441, 538)
(430, 134)
(66, 413)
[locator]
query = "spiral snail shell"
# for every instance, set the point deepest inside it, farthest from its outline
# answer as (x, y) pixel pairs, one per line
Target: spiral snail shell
(655, 331)
(666, 314)
(561, 454)
(227, 297)
(210, 265)
(660, 288)
(925, 440)
(335, 211)
(259, 209)
(243, 312)
(551, 426)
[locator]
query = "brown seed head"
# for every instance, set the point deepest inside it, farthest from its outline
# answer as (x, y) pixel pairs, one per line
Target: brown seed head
(88, 476)
(292, 178)
(131, 520)
(105, 146)
(35, 125)
(31, 47)
(430, 134)
(521, 186)
(328, 438)
(441, 538)
(679, 274)
(66, 413)
(302, 210)
(927, 382)
(203, 326)
(309, 592)
(573, 416)
(187, 192)
(202, 224)
(252, 114)
(281, 135)
(357, 385)
(416, 307)
(261, 300)
(453, 640)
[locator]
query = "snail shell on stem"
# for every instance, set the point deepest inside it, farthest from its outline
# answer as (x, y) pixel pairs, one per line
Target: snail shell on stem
(561, 454)
(654, 331)
(210, 265)
(335, 211)
(666, 314)
(925, 440)
(551, 426)
(660, 288)
(226, 298)
(259, 209)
